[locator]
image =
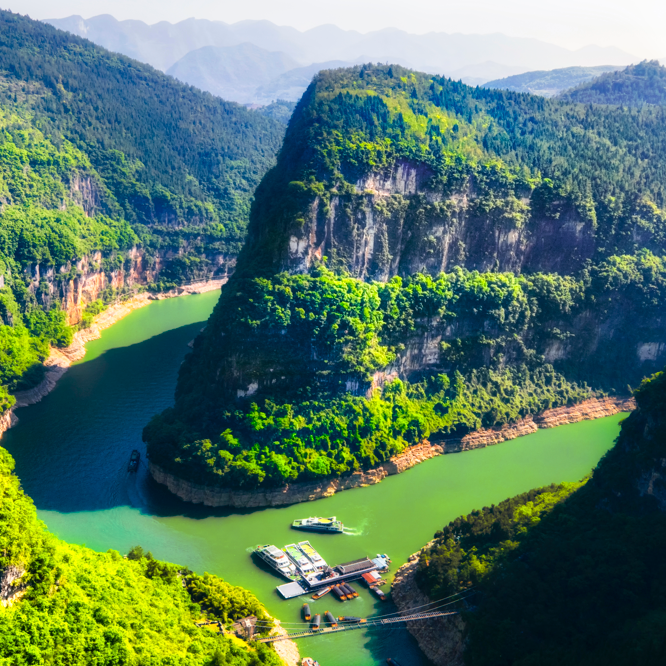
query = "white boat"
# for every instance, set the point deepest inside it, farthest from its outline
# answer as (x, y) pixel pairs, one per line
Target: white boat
(312, 555)
(297, 556)
(315, 524)
(277, 559)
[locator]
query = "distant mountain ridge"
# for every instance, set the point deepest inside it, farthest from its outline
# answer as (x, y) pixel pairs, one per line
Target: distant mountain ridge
(637, 85)
(550, 83)
(163, 44)
(232, 72)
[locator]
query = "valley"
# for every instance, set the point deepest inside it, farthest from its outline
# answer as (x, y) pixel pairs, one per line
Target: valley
(434, 310)
(71, 452)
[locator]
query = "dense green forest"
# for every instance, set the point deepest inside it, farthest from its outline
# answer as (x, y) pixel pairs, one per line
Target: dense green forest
(571, 574)
(637, 85)
(101, 154)
(71, 606)
(318, 374)
(317, 415)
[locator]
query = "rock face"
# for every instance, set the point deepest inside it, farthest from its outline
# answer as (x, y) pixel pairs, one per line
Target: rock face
(398, 224)
(10, 587)
(441, 639)
(91, 280)
(305, 492)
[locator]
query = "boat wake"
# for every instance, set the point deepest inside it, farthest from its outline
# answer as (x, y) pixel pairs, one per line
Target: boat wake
(352, 531)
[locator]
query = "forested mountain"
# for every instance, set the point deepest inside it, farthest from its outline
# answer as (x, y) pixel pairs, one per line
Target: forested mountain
(550, 83)
(70, 606)
(568, 574)
(233, 72)
(425, 259)
(457, 55)
(111, 174)
(636, 85)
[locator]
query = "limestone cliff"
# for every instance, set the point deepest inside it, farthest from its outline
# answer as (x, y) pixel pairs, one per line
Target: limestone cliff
(398, 223)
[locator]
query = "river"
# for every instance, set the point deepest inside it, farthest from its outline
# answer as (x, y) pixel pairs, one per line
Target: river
(72, 450)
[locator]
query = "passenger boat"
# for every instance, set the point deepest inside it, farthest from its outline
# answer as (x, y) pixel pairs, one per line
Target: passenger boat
(277, 560)
(312, 555)
(297, 556)
(321, 593)
(331, 524)
(134, 461)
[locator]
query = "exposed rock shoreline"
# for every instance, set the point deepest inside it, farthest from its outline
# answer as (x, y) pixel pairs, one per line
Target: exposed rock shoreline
(441, 639)
(59, 360)
(294, 493)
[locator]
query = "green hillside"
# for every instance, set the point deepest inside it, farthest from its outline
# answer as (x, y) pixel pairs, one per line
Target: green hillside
(637, 85)
(570, 574)
(311, 367)
(69, 606)
(99, 153)
(549, 83)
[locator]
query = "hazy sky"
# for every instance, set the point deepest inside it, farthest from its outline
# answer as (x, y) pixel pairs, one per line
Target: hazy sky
(637, 26)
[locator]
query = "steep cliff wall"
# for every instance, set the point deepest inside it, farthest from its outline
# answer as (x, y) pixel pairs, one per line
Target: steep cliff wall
(399, 222)
(90, 279)
(441, 639)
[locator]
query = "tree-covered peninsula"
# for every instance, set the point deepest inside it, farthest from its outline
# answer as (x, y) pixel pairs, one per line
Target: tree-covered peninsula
(112, 176)
(425, 259)
(569, 574)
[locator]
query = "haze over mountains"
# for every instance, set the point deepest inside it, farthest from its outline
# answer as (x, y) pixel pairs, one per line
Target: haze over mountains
(271, 70)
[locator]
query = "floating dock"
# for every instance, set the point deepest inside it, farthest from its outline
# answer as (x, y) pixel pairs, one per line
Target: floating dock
(342, 573)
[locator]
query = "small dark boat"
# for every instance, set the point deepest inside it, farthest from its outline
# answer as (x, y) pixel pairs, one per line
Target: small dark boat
(351, 619)
(134, 461)
(307, 616)
(330, 618)
(316, 621)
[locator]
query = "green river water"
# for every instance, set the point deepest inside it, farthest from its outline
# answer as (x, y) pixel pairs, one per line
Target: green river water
(72, 450)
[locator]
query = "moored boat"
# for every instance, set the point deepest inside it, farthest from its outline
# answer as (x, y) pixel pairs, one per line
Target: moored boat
(321, 593)
(315, 524)
(296, 555)
(277, 560)
(317, 560)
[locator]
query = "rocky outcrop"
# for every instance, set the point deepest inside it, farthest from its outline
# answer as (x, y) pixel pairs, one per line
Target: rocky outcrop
(60, 359)
(304, 492)
(90, 278)
(11, 589)
(594, 408)
(441, 639)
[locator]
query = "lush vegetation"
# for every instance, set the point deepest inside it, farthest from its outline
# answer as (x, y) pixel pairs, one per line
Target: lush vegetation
(637, 85)
(569, 577)
(331, 402)
(71, 606)
(98, 155)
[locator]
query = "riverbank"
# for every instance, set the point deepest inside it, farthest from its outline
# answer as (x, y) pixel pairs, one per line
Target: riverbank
(294, 493)
(60, 360)
(441, 639)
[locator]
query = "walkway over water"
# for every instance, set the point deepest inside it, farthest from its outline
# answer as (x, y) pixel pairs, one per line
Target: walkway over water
(357, 625)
